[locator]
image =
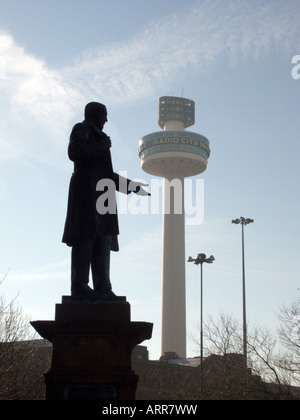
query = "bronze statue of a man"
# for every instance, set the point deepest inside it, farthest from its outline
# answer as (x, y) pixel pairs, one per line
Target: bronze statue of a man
(92, 235)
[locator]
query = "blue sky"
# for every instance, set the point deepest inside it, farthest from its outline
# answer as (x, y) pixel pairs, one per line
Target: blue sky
(234, 59)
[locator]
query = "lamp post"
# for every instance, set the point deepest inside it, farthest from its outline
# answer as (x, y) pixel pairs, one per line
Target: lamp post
(242, 221)
(200, 259)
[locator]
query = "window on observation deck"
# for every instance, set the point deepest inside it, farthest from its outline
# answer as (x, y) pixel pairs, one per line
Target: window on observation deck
(178, 109)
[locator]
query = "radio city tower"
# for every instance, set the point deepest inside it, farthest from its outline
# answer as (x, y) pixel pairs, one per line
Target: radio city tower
(174, 154)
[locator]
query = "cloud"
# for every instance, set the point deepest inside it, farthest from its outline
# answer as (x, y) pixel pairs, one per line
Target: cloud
(28, 83)
(38, 102)
(57, 271)
(205, 33)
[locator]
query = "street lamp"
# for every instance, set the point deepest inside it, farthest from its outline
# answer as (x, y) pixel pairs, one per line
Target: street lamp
(200, 259)
(242, 221)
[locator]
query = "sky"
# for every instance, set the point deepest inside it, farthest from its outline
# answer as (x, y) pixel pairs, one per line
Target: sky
(234, 58)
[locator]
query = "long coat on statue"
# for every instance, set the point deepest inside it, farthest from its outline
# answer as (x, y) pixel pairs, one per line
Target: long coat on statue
(92, 163)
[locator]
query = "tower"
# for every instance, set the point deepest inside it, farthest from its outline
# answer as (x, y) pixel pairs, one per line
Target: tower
(174, 154)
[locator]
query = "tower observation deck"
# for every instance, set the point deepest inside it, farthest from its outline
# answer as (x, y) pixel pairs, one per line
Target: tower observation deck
(174, 154)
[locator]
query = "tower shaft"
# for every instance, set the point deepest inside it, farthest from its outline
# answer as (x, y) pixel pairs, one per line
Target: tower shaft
(173, 333)
(174, 154)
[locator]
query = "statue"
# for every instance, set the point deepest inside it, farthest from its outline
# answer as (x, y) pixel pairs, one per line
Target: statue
(92, 235)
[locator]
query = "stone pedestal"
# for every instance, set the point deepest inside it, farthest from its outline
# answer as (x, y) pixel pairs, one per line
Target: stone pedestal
(92, 346)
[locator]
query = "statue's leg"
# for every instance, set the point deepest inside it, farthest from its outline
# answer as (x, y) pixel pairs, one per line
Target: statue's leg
(101, 269)
(80, 264)
(101, 264)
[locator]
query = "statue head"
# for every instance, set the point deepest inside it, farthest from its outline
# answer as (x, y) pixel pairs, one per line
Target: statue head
(96, 114)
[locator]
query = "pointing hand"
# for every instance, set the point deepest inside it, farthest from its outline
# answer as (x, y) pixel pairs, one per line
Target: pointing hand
(137, 188)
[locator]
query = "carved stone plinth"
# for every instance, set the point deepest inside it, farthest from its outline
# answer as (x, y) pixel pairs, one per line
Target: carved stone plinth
(92, 346)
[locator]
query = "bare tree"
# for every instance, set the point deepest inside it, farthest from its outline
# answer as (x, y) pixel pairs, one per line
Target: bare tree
(289, 334)
(19, 361)
(222, 336)
(266, 358)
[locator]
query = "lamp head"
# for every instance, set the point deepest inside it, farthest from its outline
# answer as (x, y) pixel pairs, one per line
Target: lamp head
(242, 221)
(236, 221)
(201, 257)
(247, 221)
